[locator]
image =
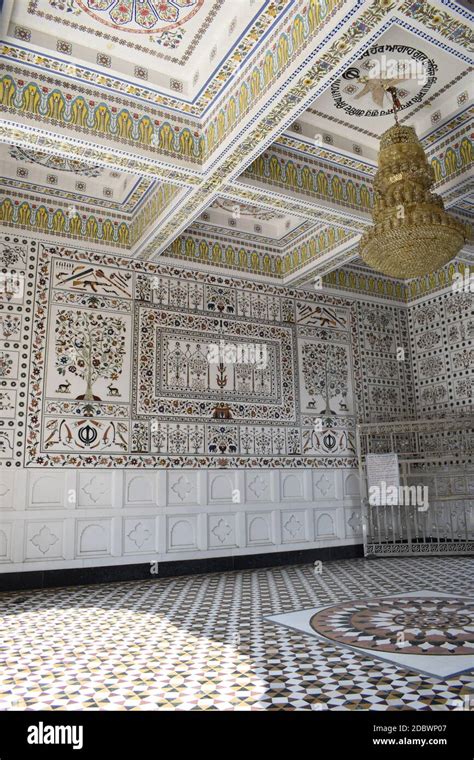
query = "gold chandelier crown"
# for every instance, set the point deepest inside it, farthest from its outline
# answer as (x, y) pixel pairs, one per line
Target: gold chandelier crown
(412, 233)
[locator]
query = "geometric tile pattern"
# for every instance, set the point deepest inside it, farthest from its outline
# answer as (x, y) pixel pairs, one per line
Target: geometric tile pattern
(202, 642)
(421, 630)
(434, 625)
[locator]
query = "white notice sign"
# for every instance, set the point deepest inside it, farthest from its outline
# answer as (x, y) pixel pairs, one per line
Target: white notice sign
(383, 478)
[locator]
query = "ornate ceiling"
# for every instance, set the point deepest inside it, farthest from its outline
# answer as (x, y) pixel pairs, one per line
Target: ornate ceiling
(238, 135)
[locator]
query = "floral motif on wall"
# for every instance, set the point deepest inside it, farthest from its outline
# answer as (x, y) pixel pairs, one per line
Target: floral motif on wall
(6, 364)
(7, 402)
(10, 327)
(89, 346)
(65, 5)
(386, 383)
(433, 394)
(326, 373)
(11, 254)
(431, 366)
(18, 261)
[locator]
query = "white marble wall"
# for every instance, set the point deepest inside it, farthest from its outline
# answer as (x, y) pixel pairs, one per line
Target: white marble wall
(66, 518)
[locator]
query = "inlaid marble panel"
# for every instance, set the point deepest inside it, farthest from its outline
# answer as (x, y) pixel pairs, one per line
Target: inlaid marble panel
(143, 365)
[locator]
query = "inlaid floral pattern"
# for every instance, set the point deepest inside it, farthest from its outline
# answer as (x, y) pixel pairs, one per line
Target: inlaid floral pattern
(141, 16)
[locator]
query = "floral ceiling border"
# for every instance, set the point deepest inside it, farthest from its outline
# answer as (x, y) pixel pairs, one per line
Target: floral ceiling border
(35, 215)
(405, 291)
(143, 186)
(312, 179)
(214, 251)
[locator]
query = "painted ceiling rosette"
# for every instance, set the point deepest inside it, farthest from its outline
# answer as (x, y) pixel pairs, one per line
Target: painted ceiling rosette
(141, 16)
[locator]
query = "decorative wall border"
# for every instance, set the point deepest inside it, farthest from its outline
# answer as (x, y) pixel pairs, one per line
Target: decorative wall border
(17, 282)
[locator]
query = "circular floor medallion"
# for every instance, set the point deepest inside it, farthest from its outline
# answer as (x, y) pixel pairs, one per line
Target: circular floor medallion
(408, 625)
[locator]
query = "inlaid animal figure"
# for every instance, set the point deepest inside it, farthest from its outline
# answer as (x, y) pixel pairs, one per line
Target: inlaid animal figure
(112, 390)
(64, 387)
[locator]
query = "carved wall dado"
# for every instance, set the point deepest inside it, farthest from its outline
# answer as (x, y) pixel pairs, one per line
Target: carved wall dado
(120, 373)
(79, 518)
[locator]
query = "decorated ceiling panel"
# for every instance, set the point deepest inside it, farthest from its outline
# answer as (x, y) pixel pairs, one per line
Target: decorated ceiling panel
(246, 219)
(73, 180)
(243, 140)
(420, 70)
(59, 163)
(179, 45)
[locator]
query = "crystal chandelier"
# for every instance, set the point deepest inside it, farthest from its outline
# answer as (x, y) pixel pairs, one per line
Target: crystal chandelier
(412, 234)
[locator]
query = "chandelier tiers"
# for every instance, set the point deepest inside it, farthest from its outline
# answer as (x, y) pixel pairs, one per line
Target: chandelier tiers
(412, 234)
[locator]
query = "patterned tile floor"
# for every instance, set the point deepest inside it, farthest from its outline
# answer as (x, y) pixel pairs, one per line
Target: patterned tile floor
(426, 631)
(201, 642)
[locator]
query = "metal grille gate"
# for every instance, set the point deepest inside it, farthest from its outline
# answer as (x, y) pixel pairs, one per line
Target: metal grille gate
(436, 453)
